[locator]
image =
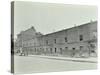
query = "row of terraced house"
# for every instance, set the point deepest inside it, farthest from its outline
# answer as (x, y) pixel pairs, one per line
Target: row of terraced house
(78, 41)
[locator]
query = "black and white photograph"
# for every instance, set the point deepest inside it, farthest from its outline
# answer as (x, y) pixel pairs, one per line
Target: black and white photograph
(53, 37)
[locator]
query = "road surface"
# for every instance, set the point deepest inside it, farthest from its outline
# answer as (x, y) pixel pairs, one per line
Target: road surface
(34, 64)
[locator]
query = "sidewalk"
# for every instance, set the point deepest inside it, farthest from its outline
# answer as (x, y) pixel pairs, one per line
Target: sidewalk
(88, 60)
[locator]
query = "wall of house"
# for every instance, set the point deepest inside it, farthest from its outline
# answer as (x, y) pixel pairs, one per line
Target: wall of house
(61, 46)
(69, 42)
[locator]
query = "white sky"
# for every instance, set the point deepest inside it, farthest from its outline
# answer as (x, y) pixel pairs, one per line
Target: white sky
(47, 18)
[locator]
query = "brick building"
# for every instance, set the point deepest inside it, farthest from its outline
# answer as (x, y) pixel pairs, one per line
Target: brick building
(78, 41)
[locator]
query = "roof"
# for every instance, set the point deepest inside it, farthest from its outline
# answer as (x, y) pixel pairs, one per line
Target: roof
(71, 28)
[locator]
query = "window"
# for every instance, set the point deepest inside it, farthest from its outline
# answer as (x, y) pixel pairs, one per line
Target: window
(30, 44)
(55, 40)
(66, 48)
(23, 44)
(35, 49)
(46, 42)
(55, 50)
(51, 50)
(46, 48)
(93, 51)
(66, 39)
(73, 48)
(81, 47)
(61, 50)
(81, 37)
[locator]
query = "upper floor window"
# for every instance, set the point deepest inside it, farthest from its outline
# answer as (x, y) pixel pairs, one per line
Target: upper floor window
(35, 49)
(66, 39)
(60, 48)
(73, 48)
(81, 47)
(81, 37)
(66, 48)
(30, 44)
(54, 40)
(51, 50)
(47, 42)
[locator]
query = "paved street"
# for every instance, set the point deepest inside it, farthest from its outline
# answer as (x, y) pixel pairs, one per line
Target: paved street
(34, 64)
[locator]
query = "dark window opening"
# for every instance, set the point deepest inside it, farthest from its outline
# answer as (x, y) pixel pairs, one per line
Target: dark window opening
(55, 50)
(81, 37)
(93, 51)
(73, 48)
(66, 48)
(55, 40)
(66, 39)
(60, 48)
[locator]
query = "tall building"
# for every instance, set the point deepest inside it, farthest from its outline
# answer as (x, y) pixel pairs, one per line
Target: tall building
(78, 41)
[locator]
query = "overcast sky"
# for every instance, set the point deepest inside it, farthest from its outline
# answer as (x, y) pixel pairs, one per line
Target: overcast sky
(47, 18)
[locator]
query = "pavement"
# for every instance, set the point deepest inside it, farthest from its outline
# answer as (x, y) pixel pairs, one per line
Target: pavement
(88, 60)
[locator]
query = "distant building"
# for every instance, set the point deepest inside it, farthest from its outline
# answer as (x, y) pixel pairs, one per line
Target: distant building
(78, 41)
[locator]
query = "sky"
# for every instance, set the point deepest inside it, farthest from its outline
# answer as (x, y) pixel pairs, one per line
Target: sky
(48, 17)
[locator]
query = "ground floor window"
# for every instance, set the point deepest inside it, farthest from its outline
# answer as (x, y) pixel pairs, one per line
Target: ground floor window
(66, 48)
(73, 48)
(35, 49)
(55, 50)
(50, 50)
(61, 50)
(92, 51)
(81, 47)
(46, 49)
(73, 52)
